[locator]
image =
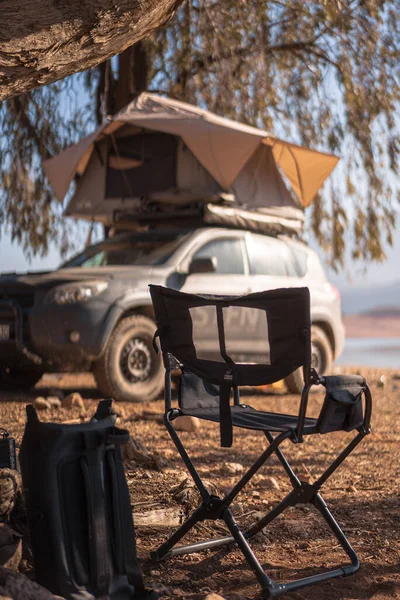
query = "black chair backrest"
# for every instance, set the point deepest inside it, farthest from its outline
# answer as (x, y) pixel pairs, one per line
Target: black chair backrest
(284, 322)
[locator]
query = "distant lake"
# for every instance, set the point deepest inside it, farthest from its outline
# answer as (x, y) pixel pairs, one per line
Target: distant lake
(371, 352)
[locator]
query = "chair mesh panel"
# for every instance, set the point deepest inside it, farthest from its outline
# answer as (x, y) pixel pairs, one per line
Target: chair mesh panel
(196, 393)
(198, 398)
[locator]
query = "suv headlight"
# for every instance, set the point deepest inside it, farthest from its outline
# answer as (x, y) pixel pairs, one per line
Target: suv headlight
(72, 293)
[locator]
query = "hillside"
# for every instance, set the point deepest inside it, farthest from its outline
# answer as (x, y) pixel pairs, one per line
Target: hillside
(361, 299)
(372, 311)
(368, 326)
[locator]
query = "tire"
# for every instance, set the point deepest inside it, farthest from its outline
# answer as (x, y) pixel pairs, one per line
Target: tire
(12, 378)
(322, 359)
(129, 369)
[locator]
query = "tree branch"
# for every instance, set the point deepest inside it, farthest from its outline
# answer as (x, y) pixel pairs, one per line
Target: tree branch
(43, 41)
(199, 63)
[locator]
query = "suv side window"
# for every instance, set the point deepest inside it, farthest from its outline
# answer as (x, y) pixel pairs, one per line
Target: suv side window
(271, 256)
(229, 255)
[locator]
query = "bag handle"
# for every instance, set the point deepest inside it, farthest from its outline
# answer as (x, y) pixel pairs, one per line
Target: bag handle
(125, 540)
(98, 538)
(117, 436)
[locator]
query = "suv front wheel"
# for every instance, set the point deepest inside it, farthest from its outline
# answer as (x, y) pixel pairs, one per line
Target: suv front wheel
(322, 359)
(129, 369)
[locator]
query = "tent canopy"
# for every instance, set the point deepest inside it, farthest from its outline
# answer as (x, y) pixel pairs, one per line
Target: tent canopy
(236, 156)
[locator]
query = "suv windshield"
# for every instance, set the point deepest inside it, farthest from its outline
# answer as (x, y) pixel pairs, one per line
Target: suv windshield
(139, 249)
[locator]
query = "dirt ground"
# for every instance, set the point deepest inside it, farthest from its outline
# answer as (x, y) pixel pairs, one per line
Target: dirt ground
(363, 495)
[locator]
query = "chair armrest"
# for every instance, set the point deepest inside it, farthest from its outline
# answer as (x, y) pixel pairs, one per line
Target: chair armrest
(303, 410)
(167, 389)
(343, 382)
(353, 384)
(368, 408)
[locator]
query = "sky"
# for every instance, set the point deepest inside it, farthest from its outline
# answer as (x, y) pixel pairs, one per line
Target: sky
(353, 275)
(13, 259)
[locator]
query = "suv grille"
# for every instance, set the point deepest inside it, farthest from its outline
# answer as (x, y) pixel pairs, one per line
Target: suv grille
(25, 299)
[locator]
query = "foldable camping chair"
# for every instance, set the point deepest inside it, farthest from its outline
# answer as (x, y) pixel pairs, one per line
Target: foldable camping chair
(205, 390)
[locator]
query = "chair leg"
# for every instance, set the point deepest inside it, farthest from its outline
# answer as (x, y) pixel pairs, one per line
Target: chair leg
(266, 583)
(338, 461)
(342, 571)
(295, 481)
(165, 550)
(216, 508)
(269, 517)
(185, 457)
(221, 511)
(309, 494)
(256, 466)
(320, 504)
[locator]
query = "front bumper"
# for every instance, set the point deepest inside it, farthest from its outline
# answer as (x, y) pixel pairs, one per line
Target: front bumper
(41, 335)
(16, 347)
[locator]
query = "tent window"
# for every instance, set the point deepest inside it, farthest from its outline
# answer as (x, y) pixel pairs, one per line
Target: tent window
(142, 164)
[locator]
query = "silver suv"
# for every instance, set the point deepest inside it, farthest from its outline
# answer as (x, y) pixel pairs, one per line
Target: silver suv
(95, 311)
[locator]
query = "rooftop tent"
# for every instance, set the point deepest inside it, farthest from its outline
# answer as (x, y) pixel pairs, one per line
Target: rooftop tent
(134, 164)
(158, 150)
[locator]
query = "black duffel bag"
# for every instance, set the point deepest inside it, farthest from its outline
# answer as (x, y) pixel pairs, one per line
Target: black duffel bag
(79, 510)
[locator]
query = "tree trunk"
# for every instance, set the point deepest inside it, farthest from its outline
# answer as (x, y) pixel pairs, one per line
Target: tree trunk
(133, 71)
(47, 40)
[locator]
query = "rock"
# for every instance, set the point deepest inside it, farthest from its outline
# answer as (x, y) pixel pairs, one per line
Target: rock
(187, 494)
(382, 381)
(271, 387)
(56, 393)
(297, 528)
(54, 401)
(10, 547)
(274, 483)
(10, 491)
(160, 588)
(137, 452)
(186, 423)
(278, 385)
(41, 403)
(119, 411)
(268, 483)
(18, 587)
(158, 518)
(234, 468)
(145, 415)
(73, 400)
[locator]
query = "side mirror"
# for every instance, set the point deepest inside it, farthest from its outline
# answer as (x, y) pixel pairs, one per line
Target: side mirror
(203, 265)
